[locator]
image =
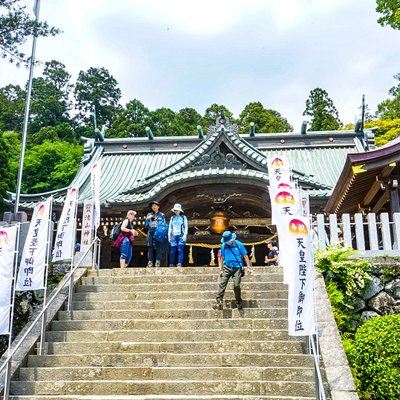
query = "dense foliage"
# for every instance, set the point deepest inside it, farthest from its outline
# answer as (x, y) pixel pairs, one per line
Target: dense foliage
(390, 10)
(345, 276)
(323, 113)
(16, 25)
(390, 108)
(375, 358)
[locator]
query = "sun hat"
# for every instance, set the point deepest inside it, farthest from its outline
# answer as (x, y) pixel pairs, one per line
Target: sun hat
(154, 202)
(228, 236)
(177, 207)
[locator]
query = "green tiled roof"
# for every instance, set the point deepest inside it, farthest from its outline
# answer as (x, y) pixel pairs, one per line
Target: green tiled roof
(136, 170)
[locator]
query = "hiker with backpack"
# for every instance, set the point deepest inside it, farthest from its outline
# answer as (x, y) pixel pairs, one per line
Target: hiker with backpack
(233, 253)
(155, 247)
(177, 233)
(125, 239)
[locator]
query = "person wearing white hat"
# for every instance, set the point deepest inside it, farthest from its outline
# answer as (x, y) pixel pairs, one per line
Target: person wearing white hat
(177, 233)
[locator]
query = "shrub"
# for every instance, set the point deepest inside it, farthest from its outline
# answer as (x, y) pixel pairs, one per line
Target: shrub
(375, 358)
(345, 277)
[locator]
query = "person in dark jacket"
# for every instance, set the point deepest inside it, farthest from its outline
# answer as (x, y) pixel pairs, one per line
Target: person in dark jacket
(271, 259)
(154, 248)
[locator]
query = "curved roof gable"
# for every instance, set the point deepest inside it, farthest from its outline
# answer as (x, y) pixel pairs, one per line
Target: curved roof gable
(223, 149)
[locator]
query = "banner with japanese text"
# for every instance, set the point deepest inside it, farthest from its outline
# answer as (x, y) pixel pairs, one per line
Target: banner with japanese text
(95, 185)
(284, 202)
(8, 238)
(33, 262)
(87, 225)
(305, 203)
(65, 239)
(301, 296)
(278, 170)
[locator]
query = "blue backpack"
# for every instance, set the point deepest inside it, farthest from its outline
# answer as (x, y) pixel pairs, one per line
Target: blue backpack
(161, 233)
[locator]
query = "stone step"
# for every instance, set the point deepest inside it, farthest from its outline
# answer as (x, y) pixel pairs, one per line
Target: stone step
(170, 335)
(172, 304)
(259, 313)
(143, 387)
(173, 287)
(216, 346)
(174, 360)
(257, 270)
(182, 295)
(159, 397)
(177, 278)
(178, 324)
(297, 374)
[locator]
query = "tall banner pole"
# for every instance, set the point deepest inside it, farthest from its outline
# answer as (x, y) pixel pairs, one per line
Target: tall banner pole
(46, 274)
(26, 112)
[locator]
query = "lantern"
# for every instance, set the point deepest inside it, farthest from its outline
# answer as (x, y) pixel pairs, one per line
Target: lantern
(219, 222)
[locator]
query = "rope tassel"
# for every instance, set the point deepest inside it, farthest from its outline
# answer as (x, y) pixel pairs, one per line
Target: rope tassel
(253, 255)
(212, 261)
(191, 255)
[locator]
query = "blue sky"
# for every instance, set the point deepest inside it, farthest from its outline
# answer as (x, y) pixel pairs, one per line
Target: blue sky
(177, 53)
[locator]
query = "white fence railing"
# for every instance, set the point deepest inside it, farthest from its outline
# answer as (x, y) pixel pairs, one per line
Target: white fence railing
(371, 234)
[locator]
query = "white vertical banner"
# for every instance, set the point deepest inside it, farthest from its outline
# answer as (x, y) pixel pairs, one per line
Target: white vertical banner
(65, 239)
(87, 225)
(278, 170)
(305, 203)
(33, 261)
(95, 185)
(284, 202)
(8, 239)
(301, 297)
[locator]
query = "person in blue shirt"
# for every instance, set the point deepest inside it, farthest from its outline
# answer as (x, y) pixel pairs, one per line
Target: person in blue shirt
(233, 253)
(153, 218)
(177, 233)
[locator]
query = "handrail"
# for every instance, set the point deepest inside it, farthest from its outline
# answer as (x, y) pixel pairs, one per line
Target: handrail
(7, 362)
(320, 394)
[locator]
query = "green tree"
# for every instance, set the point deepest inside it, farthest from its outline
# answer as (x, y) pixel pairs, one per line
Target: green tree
(12, 104)
(390, 108)
(132, 121)
(390, 10)
(96, 88)
(16, 25)
(211, 114)
(162, 120)
(265, 120)
(387, 130)
(49, 105)
(322, 110)
(5, 171)
(186, 121)
(50, 166)
(13, 145)
(59, 132)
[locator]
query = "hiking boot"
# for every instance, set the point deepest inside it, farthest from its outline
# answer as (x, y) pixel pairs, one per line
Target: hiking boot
(158, 263)
(179, 265)
(218, 305)
(149, 264)
(239, 305)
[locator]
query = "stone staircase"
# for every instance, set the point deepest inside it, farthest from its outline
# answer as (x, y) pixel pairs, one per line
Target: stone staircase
(151, 334)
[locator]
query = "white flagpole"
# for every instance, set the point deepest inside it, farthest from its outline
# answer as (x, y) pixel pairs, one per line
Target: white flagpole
(12, 305)
(46, 273)
(26, 112)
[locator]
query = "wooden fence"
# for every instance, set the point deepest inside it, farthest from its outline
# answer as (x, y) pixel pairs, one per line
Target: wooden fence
(371, 234)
